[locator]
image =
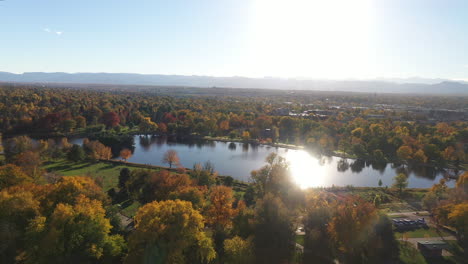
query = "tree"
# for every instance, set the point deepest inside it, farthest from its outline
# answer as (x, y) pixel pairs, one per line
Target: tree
(238, 250)
(380, 182)
(245, 135)
(30, 162)
(273, 230)
(404, 153)
(193, 194)
(17, 145)
(68, 125)
(76, 153)
(317, 243)
(350, 227)
(96, 150)
(68, 189)
(458, 218)
(17, 209)
(171, 158)
(176, 236)
(125, 154)
(111, 119)
(220, 211)
(123, 177)
(419, 156)
(400, 182)
(78, 233)
(11, 175)
(147, 126)
(159, 185)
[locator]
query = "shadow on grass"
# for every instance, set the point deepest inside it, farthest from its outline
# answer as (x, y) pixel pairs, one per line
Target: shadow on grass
(58, 167)
(126, 204)
(85, 165)
(109, 166)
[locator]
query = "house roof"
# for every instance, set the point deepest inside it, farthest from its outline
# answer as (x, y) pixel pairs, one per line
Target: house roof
(433, 244)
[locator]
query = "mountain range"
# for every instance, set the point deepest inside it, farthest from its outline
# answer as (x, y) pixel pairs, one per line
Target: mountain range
(412, 85)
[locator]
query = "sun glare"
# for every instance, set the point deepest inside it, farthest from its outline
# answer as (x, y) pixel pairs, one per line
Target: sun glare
(305, 169)
(321, 39)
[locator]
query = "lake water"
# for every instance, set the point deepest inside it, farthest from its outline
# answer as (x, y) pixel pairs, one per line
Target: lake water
(239, 159)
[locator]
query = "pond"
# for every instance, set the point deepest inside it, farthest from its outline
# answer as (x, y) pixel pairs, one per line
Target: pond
(308, 170)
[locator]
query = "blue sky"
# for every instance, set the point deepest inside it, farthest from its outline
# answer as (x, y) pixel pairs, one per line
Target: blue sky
(296, 38)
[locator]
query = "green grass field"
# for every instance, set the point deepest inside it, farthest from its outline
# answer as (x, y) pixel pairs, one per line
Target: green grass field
(421, 232)
(109, 173)
(409, 254)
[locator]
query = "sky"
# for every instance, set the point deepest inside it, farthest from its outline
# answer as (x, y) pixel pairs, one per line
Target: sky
(333, 39)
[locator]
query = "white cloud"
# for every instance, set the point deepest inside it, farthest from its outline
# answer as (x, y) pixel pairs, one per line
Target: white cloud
(56, 32)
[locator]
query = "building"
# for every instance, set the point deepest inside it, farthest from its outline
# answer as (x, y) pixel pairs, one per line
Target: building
(432, 248)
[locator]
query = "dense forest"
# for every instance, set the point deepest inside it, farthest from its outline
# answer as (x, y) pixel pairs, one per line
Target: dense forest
(194, 215)
(350, 124)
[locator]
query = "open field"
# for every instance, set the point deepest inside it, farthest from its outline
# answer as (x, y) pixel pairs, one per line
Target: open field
(107, 172)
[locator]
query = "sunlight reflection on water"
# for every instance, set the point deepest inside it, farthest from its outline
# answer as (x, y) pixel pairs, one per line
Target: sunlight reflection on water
(305, 169)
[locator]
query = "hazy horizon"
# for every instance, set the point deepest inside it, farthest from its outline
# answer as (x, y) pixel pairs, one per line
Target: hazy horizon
(342, 40)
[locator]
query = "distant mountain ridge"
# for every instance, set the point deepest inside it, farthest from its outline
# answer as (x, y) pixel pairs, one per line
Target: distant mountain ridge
(438, 86)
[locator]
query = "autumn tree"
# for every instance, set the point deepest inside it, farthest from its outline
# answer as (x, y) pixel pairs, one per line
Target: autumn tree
(458, 218)
(238, 250)
(350, 228)
(96, 150)
(171, 158)
(317, 244)
(220, 211)
(125, 154)
(78, 233)
(147, 126)
(68, 189)
(17, 209)
(400, 182)
(157, 185)
(11, 175)
(111, 119)
(404, 153)
(15, 146)
(219, 214)
(176, 237)
(30, 162)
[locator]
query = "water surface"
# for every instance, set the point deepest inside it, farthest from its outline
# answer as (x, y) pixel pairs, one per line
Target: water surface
(239, 159)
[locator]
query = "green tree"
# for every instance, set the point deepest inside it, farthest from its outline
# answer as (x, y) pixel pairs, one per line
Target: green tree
(76, 153)
(274, 232)
(400, 182)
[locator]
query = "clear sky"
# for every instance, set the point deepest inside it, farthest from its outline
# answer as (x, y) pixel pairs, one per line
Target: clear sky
(295, 38)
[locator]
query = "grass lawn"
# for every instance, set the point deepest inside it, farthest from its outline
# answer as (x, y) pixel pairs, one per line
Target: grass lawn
(409, 254)
(300, 239)
(131, 209)
(421, 232)
(109, 173)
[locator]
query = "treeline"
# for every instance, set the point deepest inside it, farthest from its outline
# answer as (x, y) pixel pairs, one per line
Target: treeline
(89, 112)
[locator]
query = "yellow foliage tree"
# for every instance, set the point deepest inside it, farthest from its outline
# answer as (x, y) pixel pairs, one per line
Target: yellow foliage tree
(169, 232)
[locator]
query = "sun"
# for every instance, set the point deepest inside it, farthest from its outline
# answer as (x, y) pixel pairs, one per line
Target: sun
(305, 169)
(311, 38)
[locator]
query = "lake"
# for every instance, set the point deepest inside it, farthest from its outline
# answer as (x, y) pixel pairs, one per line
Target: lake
(239, 159)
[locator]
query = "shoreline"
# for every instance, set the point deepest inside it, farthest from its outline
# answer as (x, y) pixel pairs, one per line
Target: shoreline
(338, 154)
